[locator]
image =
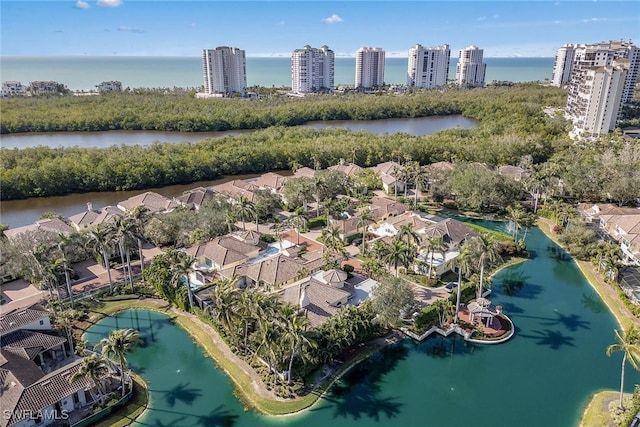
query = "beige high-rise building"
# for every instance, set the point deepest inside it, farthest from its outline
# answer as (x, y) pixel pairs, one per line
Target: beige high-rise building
(428, 67)
(370, 67)
(470, 69)
(224, 70)
(593, 105)
(312, 69)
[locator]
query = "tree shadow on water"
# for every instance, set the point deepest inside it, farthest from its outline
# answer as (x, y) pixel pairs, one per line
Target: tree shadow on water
(219, 417)
(593, 302)
(356, 395)
(572, 322)
(441, 347)
(511, 309)
(180, 393)
(551, 339)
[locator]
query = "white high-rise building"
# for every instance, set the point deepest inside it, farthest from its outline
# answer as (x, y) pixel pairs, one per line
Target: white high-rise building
(312, 69)
(428, 67)
(563, 65)
(470, 69)
(225, 70)
(603, 54)
(370, 67)
(594, 105)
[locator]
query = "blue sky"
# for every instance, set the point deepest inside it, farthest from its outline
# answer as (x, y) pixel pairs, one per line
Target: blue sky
(275, 28)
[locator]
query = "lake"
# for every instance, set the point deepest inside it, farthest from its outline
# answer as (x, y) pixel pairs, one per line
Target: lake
(542, 377)
(413, 126)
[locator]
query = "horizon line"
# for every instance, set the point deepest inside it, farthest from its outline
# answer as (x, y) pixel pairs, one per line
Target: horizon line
(281, 56)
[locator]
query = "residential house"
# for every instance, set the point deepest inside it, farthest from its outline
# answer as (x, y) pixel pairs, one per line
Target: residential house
(383, 208)
(154, 202)
(270, 181)
(514, 172)
(348, 224)
(349, 169)
(93, 217)
(625, 229)
(34, 317)
(591, 212)
(391, 225)
(389, 173)
(236, 188)
(54, 225)
(304, 172)
(195, 197)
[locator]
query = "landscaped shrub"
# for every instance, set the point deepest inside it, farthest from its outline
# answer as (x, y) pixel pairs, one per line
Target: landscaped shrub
(319, 221)
(267, 238)
(427, 318)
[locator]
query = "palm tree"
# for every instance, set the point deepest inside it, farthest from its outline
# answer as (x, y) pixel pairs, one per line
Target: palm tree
(245, 209)
(123, 230)
(464, 264)
(410, 238)
(436, 246)
(294, 338)
(332, 241)
(394, 254)
(65, 242)
(93, 368)
(182, 267)
(230, 218)
(268, 338)
(364, 219)
(484, 250)
(629, 345)
(298, 220)
(444, 308)
(101, 241)
(117, 345)
(421, 179)
(517, 215)
(140, 216)
(225, 301)
(64, 320)
(247, 310)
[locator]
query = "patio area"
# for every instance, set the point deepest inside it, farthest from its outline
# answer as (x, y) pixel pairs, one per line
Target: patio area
(497, 327)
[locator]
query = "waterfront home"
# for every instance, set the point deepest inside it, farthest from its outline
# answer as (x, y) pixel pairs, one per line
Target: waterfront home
(41, 87)
(34, 317)
(110, 86)
(154, 202)
(589, 212)
(91, 218)
(54, 225)
(12, 88)
(624, 229)
(223, 253)
(349, 169)
(391, 225)
(35, 372)
(236, 188)
(453, 234)
(195, 197)
(304, 172)
(270, 181)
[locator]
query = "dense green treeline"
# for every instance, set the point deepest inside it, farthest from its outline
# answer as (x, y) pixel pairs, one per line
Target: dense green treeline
(154, 111)
(512, 125)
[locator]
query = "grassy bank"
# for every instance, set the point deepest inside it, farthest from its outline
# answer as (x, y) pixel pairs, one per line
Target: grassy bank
(244, 383)
(132, 410)
(596, 413)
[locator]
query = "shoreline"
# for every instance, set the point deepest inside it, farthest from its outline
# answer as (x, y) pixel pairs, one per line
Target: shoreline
(248, 388)
(622, 315)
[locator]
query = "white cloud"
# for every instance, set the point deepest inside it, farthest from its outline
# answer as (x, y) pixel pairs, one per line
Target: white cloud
(109, 3)
(280, 23)
(130, 29)
(595, 20)
(193, 25)
(482, 18)
(82, 5)
(332, 19)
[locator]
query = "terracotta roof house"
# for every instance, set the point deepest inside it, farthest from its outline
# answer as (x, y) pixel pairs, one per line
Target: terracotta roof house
(349, 169)
(271, 181)
(54, 225)
(34, 317)
(221, 253)
(348, 225)
(93, 217)
(304, 172)
(452, 231)
(319, 300)
(195, 197)
(150, 200)
(625, 229)
(514, 172)
(391, 225)
(383, 208)
(388, 173)
(387, 168)
(591, 212)
(236, 188)
(441, 166)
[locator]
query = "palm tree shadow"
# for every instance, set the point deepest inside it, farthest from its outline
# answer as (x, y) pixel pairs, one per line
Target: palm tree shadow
(572, 322)
(441, 347)
(552, 339)
(593, 303)
(356, 394)
(180, 393)
(218, 417)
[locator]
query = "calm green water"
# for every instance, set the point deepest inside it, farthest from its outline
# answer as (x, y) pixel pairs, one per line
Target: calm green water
(542, 377)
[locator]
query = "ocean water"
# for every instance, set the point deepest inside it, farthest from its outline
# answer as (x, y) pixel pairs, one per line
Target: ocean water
(84, 72)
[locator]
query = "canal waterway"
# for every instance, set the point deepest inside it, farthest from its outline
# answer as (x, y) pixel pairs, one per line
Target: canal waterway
(17, 213)
(413, 126)
(542, 377)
